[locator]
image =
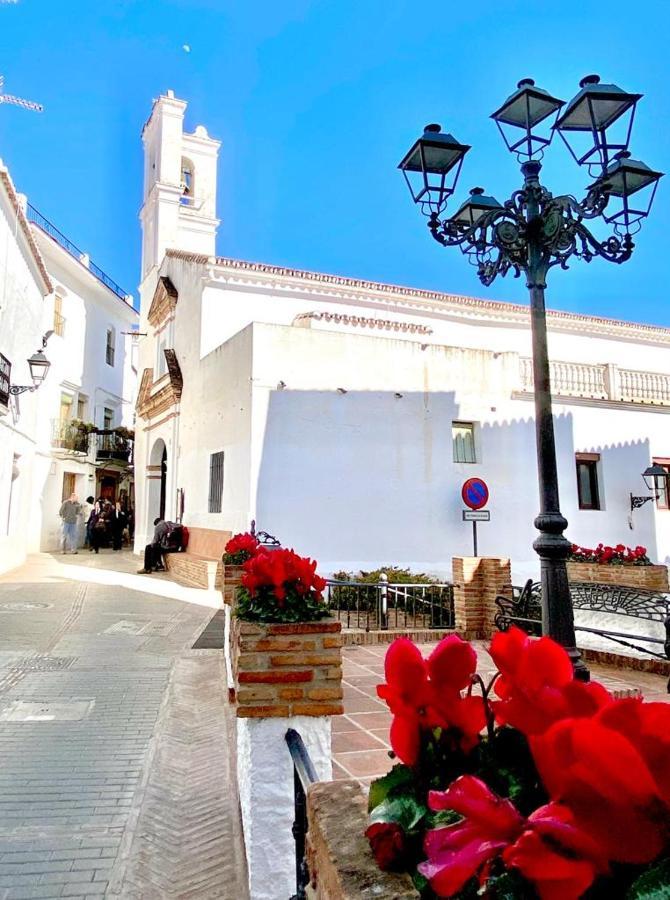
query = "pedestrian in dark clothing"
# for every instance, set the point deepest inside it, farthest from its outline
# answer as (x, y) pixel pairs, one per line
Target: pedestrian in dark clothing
(153, 554)
(118, 521)
(97, 527)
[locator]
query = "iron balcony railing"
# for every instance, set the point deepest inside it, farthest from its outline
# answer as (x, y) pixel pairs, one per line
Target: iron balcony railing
(110, 445)
(391, 606)
(35, 216)
(304, 774)
(66, 436)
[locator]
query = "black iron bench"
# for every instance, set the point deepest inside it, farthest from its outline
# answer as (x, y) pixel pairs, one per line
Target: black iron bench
(524, 608)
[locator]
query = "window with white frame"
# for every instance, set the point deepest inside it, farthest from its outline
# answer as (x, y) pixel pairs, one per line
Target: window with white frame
(463, 442)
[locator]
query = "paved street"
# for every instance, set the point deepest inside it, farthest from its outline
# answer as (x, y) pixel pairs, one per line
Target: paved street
(115, 773)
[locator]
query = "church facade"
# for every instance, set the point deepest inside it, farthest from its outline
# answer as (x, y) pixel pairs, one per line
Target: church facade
(343, 416)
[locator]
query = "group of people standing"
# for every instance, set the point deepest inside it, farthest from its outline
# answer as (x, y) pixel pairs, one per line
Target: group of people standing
(105, 523)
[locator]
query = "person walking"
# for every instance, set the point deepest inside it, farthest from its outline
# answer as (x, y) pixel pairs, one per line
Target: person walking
(96, 527)
(118, 521)
(69, 513)
(153, 555)
(86, 513)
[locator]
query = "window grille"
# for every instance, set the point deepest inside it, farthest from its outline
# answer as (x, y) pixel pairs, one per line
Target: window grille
(216, 482)
(109, 350)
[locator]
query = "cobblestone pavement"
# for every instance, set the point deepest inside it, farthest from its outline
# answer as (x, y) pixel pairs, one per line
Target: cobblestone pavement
(115, 777)
(361, 735)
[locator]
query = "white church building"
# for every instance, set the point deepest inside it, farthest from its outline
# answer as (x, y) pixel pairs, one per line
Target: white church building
(343, 416)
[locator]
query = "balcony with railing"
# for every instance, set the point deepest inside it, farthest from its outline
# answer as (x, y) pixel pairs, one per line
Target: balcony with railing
(38, 219)
(112, 446)
(66, 436)
(600, 382)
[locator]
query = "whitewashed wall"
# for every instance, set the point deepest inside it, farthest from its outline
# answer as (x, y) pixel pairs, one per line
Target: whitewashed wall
(21, 320)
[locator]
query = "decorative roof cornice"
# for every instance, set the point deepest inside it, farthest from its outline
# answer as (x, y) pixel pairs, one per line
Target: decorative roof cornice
(436, 301)
(163, 302)
(365, 322)
(25, 228)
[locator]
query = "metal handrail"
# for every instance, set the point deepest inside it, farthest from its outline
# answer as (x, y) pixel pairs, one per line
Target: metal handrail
(36, 216)
(304, 774)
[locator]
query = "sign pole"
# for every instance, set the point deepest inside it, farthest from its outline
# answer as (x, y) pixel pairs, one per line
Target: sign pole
(474, 537)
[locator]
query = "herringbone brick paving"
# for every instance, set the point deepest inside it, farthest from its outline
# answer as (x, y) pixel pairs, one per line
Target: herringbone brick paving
(114, 779)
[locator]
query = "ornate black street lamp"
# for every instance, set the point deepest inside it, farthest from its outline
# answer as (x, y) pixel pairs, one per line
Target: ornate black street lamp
(532, 232)
(39, 368)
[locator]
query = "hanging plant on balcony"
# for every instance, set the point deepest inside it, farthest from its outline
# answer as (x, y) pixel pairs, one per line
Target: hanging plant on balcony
(83, 427)
(280, 586)
(126, 433)
(539, 787)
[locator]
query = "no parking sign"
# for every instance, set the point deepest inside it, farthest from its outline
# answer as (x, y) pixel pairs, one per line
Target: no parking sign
(475, 494)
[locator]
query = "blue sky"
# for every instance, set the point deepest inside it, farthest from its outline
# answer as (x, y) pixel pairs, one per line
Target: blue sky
(315, 102)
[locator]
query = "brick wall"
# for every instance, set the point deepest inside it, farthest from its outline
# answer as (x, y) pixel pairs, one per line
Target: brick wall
(648, 578)
(205, 573)
(232, 578)
(341, 864)
(477, 582)
(287, 670)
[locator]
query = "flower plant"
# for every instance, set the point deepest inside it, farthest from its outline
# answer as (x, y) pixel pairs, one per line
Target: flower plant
(538, 786)
(240, 548)
(617, 556)
(280, 586)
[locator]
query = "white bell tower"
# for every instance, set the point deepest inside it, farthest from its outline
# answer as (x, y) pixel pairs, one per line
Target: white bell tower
(179, 207)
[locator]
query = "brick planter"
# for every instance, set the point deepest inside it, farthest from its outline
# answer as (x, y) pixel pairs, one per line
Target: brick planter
(287, 670)
(648, 578)
(232, 579)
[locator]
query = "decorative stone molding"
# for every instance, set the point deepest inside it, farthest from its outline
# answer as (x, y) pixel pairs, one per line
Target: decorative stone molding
(164, 301)
(363, 322)
(648, 578)
(151, 404)
(283, 670)
(477, 582)
(341, 864)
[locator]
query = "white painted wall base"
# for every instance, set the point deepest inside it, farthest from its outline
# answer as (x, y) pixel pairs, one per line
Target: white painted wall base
(265, 777)
(226, 647)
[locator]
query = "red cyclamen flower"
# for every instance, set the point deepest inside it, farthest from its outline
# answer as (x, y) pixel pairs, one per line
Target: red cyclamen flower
(536, 686)
(546, 848)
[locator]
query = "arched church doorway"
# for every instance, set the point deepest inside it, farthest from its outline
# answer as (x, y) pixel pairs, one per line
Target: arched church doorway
(161, 511)
(156, 484)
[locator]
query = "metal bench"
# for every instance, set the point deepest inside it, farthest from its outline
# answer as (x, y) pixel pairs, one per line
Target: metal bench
(524, 608)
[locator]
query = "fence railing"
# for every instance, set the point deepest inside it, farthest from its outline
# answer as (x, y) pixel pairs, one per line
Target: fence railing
(36, 216)
(600, 382)
(383, 605)
(304, 774)
(110, 445)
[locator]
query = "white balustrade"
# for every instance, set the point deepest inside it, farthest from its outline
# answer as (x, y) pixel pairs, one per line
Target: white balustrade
(595, 382)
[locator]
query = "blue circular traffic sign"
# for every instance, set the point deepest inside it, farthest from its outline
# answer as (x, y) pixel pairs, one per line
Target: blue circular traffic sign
(475, 493)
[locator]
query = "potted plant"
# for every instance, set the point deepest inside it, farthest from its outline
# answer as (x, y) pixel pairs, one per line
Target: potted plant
(286, 648)
(240, 548)
(540, 786)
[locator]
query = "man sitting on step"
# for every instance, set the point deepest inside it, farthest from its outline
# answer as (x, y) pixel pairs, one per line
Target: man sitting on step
(153, 554)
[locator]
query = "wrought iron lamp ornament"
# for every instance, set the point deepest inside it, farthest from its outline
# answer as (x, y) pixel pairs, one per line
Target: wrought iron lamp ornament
(532, 232)
(656, 479)
(39, 368)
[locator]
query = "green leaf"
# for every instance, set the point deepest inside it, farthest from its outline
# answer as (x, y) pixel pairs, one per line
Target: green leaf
(654, 884)
(399, 777)
(404, 810)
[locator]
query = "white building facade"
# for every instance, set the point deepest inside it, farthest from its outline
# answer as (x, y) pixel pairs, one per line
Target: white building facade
(52, 298)
(24, 289)
(344, 416)
(87, 402)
